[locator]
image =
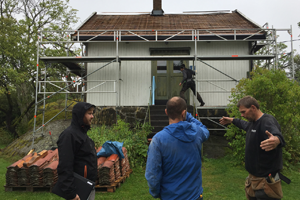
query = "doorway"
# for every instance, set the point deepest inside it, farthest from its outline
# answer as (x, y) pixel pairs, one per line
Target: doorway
(167, 78)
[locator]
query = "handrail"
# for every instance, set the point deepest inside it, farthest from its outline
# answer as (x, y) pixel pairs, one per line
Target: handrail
(148, 108)
(153, 90)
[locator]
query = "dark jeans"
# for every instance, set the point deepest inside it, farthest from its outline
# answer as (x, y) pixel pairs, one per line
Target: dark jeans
(186, 86)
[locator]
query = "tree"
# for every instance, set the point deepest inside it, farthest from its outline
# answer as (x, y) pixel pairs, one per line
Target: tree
(284, 58)
(20, 24)
(297, 67)
(277, 95)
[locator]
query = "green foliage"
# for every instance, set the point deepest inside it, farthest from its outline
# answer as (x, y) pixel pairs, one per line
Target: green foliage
(51, 109)
(277, 96)
(6, 138)
(297, 67)
(135, 140)
(20, 25)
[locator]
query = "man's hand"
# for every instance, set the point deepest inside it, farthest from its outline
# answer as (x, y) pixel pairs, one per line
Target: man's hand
(76, 198)
(180, 84)
(226, 120)
(271, 143)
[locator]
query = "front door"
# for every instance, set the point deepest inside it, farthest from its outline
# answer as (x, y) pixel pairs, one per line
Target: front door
(167, 78)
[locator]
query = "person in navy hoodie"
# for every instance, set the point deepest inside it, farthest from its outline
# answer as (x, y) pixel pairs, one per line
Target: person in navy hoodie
(173, 169)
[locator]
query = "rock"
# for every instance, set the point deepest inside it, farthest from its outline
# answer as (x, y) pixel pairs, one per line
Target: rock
(42, 140)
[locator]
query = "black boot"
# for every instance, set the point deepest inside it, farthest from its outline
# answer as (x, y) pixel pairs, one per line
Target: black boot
(200, 99)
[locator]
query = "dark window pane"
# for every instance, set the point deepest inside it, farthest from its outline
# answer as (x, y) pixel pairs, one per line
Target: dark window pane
(161, 66)
(176, 66)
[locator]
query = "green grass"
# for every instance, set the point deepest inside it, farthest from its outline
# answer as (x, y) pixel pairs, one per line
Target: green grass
(222, 180)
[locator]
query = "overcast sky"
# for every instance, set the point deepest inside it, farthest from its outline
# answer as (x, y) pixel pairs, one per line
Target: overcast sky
(281, 14)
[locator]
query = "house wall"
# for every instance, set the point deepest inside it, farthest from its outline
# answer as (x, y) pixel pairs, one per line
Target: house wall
(236, 69)
(136, 75)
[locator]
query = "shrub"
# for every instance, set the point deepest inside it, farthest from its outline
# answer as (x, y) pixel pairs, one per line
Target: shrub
(135, 140)
(277, 96)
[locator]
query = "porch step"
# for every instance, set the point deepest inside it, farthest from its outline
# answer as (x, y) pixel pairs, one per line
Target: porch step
(159, 119)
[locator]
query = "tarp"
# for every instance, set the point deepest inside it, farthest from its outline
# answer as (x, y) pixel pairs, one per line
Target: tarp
(111, 147)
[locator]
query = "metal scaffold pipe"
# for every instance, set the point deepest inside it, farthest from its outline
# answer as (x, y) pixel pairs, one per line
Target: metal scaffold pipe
(78, 80)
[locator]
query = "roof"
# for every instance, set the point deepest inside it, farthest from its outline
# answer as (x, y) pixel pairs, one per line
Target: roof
(219, 23)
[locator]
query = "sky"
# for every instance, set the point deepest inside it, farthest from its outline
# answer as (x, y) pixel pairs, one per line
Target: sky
(279, 14)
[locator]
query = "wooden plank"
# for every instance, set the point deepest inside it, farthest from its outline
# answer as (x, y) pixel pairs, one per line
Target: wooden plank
(27, 188)
(113, 186)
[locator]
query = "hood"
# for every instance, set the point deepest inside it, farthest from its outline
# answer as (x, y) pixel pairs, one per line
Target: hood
(78, 113)
(183, 131)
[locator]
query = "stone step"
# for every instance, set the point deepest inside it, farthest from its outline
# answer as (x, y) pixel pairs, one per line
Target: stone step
(161, 123)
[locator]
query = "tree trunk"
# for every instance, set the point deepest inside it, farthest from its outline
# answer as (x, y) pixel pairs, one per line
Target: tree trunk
(11, 128)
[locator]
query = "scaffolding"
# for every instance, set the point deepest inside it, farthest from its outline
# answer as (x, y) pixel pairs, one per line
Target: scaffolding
(82, 37)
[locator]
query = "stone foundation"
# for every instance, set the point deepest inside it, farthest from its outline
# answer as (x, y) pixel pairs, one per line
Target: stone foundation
(130, 114)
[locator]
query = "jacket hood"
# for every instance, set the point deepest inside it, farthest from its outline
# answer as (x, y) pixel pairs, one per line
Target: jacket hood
(183, 131)
(78, 113)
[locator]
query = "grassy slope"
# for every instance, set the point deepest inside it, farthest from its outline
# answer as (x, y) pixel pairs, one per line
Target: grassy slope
(221, 180)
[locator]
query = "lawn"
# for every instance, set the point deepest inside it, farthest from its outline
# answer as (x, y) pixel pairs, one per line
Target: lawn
(221, 180)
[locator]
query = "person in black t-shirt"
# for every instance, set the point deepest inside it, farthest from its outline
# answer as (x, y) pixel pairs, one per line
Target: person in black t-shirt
(264, 142)
(188, 82)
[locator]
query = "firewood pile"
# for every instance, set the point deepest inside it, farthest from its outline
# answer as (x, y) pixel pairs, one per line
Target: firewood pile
(40, 169)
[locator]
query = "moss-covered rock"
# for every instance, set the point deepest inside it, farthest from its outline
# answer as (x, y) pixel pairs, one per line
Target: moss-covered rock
(42, 139)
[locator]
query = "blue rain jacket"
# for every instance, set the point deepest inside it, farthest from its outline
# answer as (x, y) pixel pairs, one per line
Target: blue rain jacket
(173, 168)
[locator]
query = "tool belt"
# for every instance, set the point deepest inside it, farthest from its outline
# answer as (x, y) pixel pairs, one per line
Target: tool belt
(259, 187)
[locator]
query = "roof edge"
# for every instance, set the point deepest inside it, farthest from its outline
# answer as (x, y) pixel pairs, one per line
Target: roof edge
(240, 13)
(87, 19)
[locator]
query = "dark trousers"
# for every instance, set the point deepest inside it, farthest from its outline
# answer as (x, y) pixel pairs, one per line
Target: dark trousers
(186, 86)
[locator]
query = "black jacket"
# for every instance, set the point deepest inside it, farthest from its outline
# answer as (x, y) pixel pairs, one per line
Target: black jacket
(187, 75)
(76, 153)
(259, 162)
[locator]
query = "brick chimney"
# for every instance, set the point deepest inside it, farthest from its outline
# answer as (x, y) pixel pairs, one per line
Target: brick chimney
(157, 10)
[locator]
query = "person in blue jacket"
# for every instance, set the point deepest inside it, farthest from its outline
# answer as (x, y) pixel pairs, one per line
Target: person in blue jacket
(173, 169)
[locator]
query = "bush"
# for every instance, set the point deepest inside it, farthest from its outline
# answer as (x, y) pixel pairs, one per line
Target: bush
(6, 138)
(277, 96)
(135, 140)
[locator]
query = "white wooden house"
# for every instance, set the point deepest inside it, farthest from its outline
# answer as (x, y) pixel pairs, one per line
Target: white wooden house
(150, 47)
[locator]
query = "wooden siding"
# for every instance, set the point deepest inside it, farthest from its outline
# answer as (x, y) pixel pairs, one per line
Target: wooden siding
(236, 69)
(136, 75)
